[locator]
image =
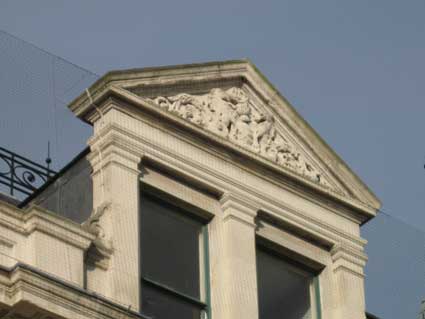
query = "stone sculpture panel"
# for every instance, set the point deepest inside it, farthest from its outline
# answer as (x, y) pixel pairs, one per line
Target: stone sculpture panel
(229, 114)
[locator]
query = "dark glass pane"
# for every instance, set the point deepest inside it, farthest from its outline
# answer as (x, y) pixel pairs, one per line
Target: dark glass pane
(162, 305)
(170, 247)
(283, 293)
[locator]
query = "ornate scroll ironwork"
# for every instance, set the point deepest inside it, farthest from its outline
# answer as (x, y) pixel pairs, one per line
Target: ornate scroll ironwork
(20, 174)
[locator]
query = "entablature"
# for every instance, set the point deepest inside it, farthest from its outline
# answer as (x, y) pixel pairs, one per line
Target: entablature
(253, 207)
(34, 218)
(43, 240)
(221, 175)
(231, 107)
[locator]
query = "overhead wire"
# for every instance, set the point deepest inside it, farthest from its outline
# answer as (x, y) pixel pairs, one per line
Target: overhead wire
(48, 53)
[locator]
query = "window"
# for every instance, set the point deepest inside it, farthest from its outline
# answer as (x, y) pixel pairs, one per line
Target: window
(174, 261)
(285, 290)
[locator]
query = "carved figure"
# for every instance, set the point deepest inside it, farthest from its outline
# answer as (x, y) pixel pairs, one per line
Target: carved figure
(229, 114)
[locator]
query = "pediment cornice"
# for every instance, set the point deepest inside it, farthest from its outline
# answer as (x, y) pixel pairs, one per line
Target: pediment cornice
(233, 102)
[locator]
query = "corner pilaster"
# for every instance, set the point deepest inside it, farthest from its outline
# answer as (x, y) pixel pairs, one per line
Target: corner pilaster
(348, 268)
(116, 213)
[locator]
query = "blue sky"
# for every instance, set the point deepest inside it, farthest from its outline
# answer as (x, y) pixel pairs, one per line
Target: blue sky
(354, 69)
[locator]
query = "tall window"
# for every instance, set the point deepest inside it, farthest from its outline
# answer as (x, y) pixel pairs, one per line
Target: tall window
(285, 290)
(174, 262)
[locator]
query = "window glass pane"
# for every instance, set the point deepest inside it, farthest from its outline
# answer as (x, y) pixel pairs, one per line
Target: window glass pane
(161, 305)
(170, 246)
(283, 290)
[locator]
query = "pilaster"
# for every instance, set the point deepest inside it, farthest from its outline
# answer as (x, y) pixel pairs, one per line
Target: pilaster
(116, 211)
(234, 276)
(348, 268)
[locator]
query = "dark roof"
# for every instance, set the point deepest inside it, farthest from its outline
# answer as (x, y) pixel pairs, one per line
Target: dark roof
(370, 316)
(27, 200)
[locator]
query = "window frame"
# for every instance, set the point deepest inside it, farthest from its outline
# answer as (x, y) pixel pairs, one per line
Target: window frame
(186, 211)
(296, 265)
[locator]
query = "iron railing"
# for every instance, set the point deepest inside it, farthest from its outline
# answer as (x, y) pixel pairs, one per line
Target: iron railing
(21, 175)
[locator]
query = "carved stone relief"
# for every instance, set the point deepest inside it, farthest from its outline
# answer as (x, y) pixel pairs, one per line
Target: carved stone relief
(231, 115)
(101, 250)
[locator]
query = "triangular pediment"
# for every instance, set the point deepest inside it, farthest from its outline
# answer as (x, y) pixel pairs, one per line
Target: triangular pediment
(233, 102)
(237, 115)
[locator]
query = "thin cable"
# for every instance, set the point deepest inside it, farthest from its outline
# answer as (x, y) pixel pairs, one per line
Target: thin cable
(98, 149)
(380, 210)
(100, 113)
(75, 84)
(46, 52)
(55, 113)
(399, 220)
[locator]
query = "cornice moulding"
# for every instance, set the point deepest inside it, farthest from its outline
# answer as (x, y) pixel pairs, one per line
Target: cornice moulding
(239, 202)
(214, 180)
(34, 218)
(117, 84)
(41, 292)
(350, 254)
(129, 97)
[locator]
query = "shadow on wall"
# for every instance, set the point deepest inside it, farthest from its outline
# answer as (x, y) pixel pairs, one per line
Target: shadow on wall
(70, 192)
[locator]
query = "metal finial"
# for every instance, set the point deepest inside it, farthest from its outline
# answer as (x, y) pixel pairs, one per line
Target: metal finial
(48, 159)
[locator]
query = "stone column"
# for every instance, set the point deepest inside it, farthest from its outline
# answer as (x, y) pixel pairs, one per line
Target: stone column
(348, 268)
(233, 260)
(116, 206)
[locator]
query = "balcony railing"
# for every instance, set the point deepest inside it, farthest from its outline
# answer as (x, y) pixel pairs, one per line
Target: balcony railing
(21, 176)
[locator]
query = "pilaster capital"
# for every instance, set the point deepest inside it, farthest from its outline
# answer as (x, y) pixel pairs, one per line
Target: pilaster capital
(349, 259)
(112, 145)
(237, 207)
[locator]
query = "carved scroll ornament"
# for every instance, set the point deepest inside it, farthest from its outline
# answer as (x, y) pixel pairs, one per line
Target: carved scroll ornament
(229, 114)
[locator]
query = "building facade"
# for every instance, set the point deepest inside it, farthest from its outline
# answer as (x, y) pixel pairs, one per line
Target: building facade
(202, 194)
(422, 311)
